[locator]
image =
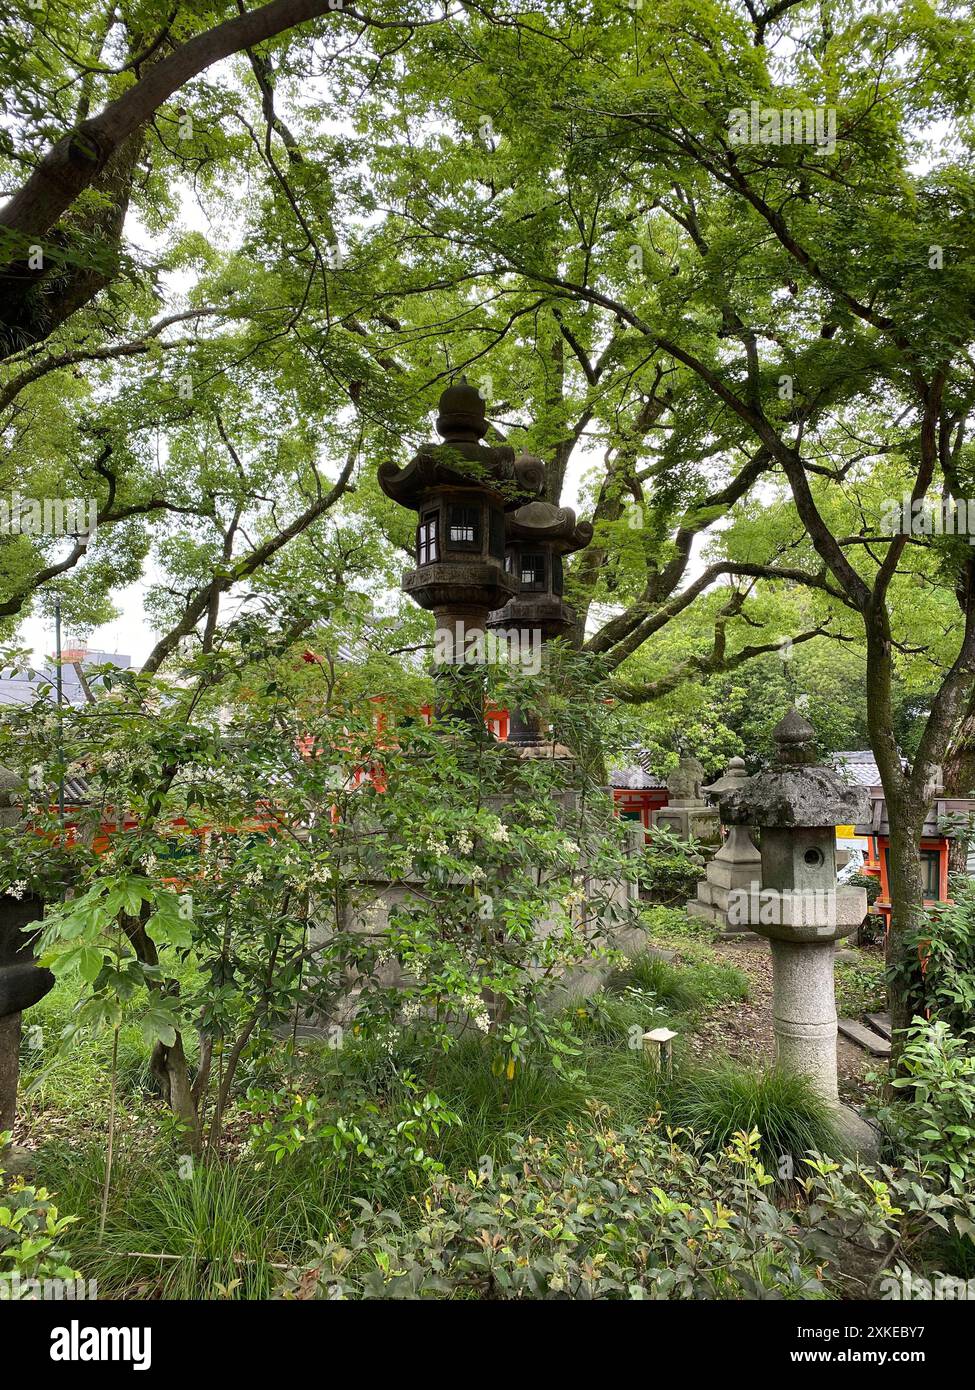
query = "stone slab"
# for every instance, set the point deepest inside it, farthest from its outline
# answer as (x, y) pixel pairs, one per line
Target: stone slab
(864, 1037)
(880, 1023)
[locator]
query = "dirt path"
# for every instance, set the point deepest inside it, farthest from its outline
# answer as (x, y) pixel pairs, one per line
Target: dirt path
(744, 1030)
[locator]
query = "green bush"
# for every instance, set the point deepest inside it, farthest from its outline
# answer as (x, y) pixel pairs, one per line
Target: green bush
(868, 881)
(670, 868)
(603, 1214)
(793, 1120)
(861, 987)
(936, 1121)
(31, 1228)
(945, 986)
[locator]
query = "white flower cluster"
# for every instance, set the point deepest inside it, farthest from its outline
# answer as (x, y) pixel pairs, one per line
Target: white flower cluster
(499, 833)
(478, 1011)
(18, 889)
(216, 778)
(464, 842)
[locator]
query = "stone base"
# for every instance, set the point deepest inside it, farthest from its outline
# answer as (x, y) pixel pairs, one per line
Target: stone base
(16, 1161)
(862, 1140)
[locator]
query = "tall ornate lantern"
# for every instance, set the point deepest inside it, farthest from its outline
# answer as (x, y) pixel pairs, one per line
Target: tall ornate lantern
(539, 535)
(460, 490)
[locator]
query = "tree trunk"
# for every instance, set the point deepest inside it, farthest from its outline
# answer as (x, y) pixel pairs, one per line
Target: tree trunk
(906, 820)
(9, 1069)
(168, 1065)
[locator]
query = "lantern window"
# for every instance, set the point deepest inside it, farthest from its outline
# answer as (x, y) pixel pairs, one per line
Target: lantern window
(533, 574)
(464, 528)
(427, 545)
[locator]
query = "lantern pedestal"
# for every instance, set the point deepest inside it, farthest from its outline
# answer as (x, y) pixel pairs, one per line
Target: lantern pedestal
(800, 909)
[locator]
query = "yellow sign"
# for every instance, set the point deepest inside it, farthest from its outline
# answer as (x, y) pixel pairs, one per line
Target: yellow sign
(846, 832)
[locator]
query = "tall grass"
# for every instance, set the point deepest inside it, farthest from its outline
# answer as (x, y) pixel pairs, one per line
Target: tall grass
(698, 984)
(792, 1118)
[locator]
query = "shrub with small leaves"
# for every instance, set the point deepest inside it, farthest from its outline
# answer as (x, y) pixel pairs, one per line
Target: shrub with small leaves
(31, 1228)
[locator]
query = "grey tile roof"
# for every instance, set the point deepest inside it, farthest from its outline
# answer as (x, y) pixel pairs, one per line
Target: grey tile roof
(636, 776)
(857, 767)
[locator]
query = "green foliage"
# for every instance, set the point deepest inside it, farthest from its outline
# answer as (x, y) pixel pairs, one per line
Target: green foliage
(31, 1231)
(695, 985)
(938, 1121)
(630, 1213)
(719, 1099)
(938, 962)
(396, 1141)
(861, 986)
(670, 868)
(197, 920)
(672, 925)
(870, 882)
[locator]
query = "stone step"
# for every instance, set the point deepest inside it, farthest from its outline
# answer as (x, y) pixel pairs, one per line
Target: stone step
(880, 1023)
(705, 911)
(864, 1037)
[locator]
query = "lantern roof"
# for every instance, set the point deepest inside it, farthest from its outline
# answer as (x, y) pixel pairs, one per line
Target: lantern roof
(463, 460)
(543, 521)
(795, 791)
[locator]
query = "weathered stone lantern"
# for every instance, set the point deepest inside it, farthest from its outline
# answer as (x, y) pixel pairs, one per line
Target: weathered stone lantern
(460, 490)
(539, 534)
(737, 864)
(797, 804)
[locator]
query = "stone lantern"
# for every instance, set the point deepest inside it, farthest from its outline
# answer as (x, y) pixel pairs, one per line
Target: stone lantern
(797, 804)
(737, 864)
(460, 490)
(539, 534)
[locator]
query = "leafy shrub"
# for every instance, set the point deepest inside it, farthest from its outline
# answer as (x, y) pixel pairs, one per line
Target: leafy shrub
(868, 881)
(938, 965)
(30, 1235)
(670, 868)
(672, 925)
(861, 987)
(397, 1141)
(636, 1212)
(793, 1120)
(603, 1214)
(938, 1121)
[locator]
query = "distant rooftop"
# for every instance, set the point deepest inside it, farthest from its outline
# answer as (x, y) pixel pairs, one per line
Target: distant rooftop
(636, 776)
(22, 687)
(858, 767)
